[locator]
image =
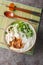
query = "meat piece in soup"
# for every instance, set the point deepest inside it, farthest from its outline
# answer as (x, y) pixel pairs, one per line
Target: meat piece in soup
(16, 43)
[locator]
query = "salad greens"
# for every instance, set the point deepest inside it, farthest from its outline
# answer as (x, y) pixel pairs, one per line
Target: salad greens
(24, 28)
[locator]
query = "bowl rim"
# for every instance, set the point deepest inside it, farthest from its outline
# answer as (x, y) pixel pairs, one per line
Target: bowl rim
(31, 45)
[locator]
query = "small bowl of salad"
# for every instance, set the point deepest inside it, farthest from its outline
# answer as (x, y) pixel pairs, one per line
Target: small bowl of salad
(20, 36)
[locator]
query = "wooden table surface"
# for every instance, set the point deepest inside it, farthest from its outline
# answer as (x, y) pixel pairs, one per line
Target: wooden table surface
(8, 57)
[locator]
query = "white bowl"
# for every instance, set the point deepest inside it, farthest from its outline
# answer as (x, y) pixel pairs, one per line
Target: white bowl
(29, 44)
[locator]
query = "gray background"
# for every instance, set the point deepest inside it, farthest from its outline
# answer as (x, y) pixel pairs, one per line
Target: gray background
(8, 57)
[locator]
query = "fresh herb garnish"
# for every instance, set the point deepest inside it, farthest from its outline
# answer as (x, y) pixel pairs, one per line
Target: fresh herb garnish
(24, 27)
(5, 32)
(10, 28)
